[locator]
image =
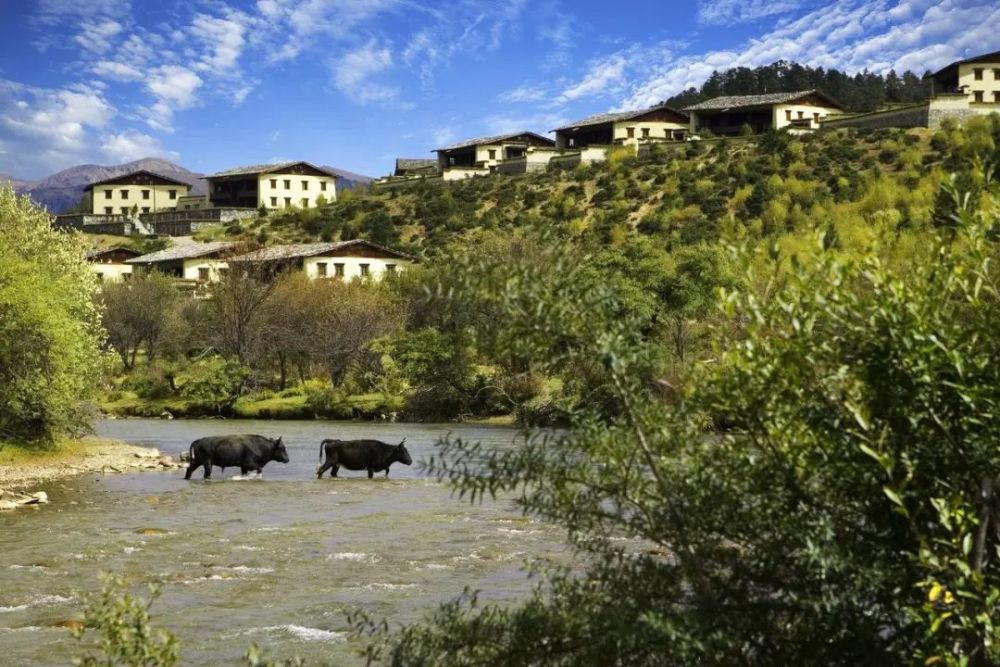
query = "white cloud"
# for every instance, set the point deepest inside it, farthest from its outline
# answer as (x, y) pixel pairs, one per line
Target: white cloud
(174, 88)
(351, 74)
(46, 128)
(728, 12)
(603, 77)
(541, 123)
(222, 39)
(525, 94)
(96, 36)
(132, 145)
(115, 70)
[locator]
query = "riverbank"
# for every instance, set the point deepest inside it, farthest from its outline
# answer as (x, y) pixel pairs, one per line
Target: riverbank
(23, 469)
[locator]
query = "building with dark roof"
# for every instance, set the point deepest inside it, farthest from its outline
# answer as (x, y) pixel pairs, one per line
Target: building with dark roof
(197, 262)
(977, 78)
(477, 156)
(657, 123)
(273, 186)
(142, 191)
(730, 114)
(111, 264)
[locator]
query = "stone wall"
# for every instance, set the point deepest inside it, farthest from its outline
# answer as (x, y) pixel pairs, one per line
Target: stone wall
(912, 116)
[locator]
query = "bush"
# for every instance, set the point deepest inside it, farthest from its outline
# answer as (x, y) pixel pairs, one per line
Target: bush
(215, 384)
(50, 331)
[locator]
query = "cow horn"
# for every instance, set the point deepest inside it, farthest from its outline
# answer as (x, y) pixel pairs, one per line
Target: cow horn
(401, 442)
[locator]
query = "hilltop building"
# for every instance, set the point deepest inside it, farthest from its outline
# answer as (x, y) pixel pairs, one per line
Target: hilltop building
(961, 90)
(477, 157)
(111, 264)
(345, 260)
(142, 190)
(727, 115)
(658, 123)
(272, 186)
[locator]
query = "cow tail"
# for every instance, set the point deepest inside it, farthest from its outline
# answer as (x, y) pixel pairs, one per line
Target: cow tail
(191, 453)
(321, 445)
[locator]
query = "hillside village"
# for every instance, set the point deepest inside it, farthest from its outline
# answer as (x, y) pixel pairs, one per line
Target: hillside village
(150, 204)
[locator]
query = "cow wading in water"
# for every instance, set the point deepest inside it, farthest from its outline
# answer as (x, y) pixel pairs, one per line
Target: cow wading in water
(246, 452)
(371, 455)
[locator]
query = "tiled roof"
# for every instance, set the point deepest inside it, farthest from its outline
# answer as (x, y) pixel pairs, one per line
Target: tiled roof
(601, 118)
(98, 252)
(182, 251)
(299, 250)
(252, 169)
(125, 177)
(985, 58)
(415, 163)
(742, 101)
(495, 139)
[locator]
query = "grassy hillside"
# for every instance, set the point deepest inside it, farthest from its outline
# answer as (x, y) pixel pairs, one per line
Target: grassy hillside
(682, 194)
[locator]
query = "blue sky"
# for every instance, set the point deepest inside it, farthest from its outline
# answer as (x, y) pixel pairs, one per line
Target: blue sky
(213, 84)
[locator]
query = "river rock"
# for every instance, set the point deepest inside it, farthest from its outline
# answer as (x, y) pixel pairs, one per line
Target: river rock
(6, 505)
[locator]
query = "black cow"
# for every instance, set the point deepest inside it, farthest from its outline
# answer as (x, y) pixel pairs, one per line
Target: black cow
(248, 452)
(371, 455)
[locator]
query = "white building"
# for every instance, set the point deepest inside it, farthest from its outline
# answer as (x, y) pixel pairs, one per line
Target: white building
(195, 262)
(730, 114)
(273, 186)
(345, 260)
(141, 191)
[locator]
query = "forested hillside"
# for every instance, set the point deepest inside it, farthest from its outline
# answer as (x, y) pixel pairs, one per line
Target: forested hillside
(865, 91)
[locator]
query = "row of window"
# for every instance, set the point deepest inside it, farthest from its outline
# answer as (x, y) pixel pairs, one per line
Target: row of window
(322, 270)
(304, 202)
(288, 184)
(978, 96)
(801, 115)
(109, 210)
(145, 194)
(977, 72)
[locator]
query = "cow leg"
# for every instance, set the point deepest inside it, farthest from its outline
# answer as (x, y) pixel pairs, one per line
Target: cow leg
(208, 469)
(243, 471)
(387, 472)
(371, 473)
(333, 471)
(323, 468)
(191, 468)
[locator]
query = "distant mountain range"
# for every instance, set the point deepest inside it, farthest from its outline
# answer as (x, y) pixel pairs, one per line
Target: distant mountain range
(64, 189)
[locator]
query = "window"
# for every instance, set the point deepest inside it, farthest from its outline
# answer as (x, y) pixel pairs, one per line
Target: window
(107, 194)
(364, 270)
(996, 73)
(145, 194)
(630, 131)
(338, 270)
(274, 184)
(788, 114)
(321, 269)
(996, 96)
(274, 202)
(978, 72)
(816, 116)
(978, 95)
(145, 209)
(288, 202)
(322, 186)
(288, 184)
(390, 268)
(645, 132)
(172, 194)
(108, 210)
(124, 210)
(124, 194)
(203, 273)
(305, 203)
(493, 153)
(305, 185)
(802, 114)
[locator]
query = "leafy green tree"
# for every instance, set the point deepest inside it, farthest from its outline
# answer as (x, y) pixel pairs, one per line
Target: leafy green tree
(844, 510)
(139, 313)
(50, 331)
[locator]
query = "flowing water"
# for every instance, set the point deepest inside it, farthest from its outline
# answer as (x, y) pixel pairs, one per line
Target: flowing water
(276, 561)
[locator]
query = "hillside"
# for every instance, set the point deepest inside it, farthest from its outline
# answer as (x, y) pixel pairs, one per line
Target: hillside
(681, 195)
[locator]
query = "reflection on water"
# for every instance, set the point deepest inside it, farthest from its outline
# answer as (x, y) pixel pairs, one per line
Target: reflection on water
(276, 561)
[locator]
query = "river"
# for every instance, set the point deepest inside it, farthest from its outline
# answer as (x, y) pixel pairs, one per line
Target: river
(277, 561)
